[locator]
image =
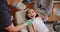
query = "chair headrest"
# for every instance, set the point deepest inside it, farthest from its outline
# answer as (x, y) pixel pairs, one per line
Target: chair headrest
(20, 16)
(56, 11)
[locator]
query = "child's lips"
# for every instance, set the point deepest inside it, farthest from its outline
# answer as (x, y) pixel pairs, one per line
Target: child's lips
(32, 16)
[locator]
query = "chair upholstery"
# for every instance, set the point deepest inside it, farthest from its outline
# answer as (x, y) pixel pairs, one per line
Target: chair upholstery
(56, 25)
(20, 18)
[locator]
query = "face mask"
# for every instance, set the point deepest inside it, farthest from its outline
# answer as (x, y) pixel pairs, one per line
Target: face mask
(19, 6)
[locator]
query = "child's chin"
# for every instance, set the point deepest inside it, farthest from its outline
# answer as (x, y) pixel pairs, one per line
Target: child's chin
(31, 17)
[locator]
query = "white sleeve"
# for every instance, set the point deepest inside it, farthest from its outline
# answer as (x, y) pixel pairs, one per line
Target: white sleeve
(36, 6)
(40, 26)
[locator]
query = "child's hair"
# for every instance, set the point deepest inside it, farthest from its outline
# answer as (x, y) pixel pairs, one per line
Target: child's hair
(26, 16)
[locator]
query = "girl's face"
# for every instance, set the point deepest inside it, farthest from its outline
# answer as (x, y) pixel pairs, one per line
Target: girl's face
(31, 13)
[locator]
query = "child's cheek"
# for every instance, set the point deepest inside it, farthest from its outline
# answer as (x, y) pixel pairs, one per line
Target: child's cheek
(34, 15)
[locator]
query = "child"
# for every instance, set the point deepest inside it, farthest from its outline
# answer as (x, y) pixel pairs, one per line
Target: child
(37, 25)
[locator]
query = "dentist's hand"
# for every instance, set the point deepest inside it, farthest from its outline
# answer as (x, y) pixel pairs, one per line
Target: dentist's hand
(28, 22)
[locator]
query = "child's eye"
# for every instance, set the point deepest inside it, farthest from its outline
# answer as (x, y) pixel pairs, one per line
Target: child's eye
(32, 11)
(29, 12)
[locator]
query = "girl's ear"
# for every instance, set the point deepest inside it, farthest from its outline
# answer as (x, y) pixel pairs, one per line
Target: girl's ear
(26, 16)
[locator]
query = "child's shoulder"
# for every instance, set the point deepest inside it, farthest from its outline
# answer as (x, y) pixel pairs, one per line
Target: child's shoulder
(38, 18)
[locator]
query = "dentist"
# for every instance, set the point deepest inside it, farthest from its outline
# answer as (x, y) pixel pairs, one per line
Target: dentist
(6, 25)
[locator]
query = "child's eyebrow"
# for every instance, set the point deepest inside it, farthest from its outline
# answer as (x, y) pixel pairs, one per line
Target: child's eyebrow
(28, 12)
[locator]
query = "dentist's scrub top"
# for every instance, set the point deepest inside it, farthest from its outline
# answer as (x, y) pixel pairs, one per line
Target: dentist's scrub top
(5, 16)
(39, 25)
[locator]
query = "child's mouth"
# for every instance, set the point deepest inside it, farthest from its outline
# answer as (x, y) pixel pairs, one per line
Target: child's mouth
(32, 16)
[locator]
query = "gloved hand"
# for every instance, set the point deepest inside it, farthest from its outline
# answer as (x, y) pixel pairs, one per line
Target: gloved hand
(28, 22)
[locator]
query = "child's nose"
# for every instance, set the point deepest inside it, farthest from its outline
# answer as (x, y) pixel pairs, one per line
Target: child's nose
(30, 14)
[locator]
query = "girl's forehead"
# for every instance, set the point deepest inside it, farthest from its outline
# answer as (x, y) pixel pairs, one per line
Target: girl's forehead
(31, 10)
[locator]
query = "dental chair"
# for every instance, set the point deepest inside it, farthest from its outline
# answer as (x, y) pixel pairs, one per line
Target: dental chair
(20, 18)
(56, 25)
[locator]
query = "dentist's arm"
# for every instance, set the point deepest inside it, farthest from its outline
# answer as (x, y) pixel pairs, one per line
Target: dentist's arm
(12, 28)
(6, 23)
